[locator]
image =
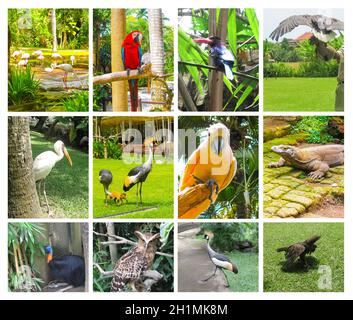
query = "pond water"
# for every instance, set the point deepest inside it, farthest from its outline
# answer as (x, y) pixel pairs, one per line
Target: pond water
(52, 91)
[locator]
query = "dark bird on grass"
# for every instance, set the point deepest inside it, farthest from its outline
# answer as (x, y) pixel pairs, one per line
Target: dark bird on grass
(131, 266)
(70, 269)
(45, 162)
(219, 260)
(322, 27)
(138, 175)
(131, 53)
(298, 250)
(106, 178)
(222, 58)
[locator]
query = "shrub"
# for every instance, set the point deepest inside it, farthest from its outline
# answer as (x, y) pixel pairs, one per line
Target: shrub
(77, 102)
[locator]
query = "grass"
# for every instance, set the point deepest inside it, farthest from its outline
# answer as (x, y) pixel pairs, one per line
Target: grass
(330, 253)
(299, 94)
(247, 278)
(157, 191)
(66, 187)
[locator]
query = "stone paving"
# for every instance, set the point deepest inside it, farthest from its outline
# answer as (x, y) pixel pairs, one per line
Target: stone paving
(289, 193)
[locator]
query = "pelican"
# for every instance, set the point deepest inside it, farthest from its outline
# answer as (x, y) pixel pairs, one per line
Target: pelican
(45, 162)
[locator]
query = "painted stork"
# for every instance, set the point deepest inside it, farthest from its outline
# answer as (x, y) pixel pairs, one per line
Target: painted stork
(37, 53)
(138, 175)
(219, 260)
(106, 178)
(45, 162)
(22, 63)
(322, 27)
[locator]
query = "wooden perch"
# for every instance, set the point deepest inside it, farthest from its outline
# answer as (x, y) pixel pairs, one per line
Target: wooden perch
(193, 201)
(146, 72)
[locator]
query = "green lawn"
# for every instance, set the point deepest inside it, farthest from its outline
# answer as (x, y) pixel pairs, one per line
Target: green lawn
(247, 278)
(299, 94)
(329, 255)
(66, 187)
(157, 191)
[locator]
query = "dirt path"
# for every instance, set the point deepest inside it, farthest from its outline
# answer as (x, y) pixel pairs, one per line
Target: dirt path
(194, 265)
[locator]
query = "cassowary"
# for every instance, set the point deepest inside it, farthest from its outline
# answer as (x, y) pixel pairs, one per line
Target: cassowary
(219, 260)
(322, 27)
(106, 178)
(138, 175)
(222, 58)
(69, 269)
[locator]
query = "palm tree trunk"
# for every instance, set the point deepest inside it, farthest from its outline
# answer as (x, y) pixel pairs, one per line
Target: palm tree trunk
(23, 200)
(53, 30)
(216, 82)
(118, 33)
(155, 24)
(85, 241)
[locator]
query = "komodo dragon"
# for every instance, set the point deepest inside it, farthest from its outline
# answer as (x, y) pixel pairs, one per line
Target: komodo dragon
(317, 159)
(298, 250)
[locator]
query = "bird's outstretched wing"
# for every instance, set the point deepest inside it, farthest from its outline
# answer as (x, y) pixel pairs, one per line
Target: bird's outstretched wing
(317, 22)
(293, 252)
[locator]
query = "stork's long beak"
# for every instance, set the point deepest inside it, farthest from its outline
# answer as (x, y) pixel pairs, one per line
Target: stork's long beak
(203, 40)
(66, 153)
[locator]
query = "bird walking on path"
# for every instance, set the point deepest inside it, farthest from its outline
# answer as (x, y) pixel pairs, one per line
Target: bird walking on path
(106, 178)
(138, 176)
(131, 266)
(222, 58)
(322, 27)
(67, 68)
(219, 260)
(131, 53)
(45, 162)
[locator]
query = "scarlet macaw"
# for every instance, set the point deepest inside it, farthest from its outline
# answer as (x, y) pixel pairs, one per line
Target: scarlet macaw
(131, 53)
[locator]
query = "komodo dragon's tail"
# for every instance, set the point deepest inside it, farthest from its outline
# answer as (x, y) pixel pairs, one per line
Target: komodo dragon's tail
(282, 249)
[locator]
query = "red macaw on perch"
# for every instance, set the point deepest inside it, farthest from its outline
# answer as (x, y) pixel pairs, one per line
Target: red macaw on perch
(131, 54)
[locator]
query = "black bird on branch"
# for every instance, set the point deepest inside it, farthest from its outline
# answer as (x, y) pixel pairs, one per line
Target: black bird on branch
(222, 58)
(298, 250)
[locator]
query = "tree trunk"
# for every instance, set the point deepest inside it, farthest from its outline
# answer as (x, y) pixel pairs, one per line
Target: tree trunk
(118, 32)
(23, 200)
(53, 30)
(155, 25)
(85, 241)
(216, 82)
(112, 248)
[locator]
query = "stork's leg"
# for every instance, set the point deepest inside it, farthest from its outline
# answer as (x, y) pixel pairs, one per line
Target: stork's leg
(137, 192)
(38, 192)
(141, 193)
(212, 275)
(45, 196)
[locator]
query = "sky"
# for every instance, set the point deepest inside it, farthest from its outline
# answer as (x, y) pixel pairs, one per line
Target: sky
(272, 18)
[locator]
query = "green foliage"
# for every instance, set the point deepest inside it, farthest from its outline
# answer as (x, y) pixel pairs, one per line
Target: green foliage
(102, 94)
(22, 87)
(114, 151)
(163, 264)
(23, 239)
(226, 235)
(317, 127)
(329, 253)
(78, 101)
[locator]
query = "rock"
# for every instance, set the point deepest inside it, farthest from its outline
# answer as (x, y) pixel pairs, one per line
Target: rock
(278, 192)
(292, 197)
(287, 212)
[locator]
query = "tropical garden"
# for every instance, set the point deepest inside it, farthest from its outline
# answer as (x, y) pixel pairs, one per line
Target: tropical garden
(155, 79)
(112, 240)
(48, 59)
(240, 199)
(202, 87)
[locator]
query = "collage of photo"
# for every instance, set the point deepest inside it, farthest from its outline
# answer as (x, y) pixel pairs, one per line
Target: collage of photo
(122, 179)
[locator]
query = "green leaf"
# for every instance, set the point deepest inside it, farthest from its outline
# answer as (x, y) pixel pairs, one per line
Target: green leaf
(254, 23)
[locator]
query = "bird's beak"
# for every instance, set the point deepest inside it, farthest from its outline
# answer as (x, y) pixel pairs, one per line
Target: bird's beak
(218, 145)
(66, 153)
(203, 40)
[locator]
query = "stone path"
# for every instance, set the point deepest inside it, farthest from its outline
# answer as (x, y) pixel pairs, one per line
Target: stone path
(194, 265)
(288, 193)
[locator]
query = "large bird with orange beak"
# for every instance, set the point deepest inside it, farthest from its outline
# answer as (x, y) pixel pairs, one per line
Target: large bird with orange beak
(131, 54)
(212, 163)
(45, 162)
(222, 58)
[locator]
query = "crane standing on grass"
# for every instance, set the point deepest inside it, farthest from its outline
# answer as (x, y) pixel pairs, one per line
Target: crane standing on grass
(219, 260)
(138, 175)
(106, 178)
(45, 162)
